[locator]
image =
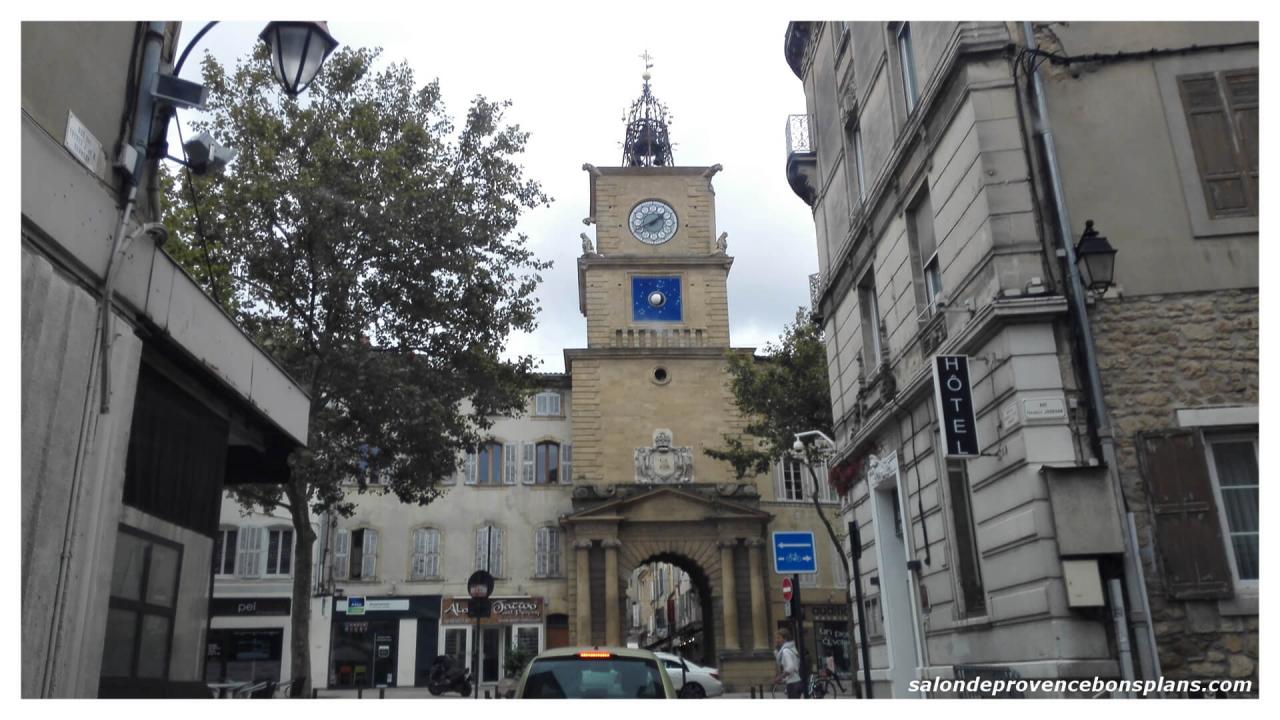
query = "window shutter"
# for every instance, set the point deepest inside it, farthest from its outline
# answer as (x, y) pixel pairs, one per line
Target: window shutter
(510, 462)
(1218, 158)
(418, 567)
(566, 463)
(496, 570)
(482, 548)
(433, 553)
(540, 552)
(778, 490)
(1242, 97)
(341, 540)
(469, 467)
(528, 474)
(369, 555)
(553, 552)
(553, 399)
(245, 559)
(1188, 534)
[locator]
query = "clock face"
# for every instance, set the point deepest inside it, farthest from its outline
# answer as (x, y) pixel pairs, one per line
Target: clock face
(653, 222)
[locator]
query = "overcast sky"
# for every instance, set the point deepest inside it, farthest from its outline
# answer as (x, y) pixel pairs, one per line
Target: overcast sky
(571, 82)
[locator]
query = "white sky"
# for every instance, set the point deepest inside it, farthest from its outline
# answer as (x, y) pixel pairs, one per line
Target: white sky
(571, 81)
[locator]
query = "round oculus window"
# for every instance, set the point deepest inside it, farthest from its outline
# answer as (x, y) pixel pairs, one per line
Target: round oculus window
(657, 299)
(660, 376)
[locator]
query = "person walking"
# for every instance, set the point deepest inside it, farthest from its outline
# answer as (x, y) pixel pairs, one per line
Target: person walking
(788, 663)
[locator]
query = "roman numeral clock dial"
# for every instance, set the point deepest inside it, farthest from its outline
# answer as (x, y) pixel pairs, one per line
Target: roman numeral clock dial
(653, 222)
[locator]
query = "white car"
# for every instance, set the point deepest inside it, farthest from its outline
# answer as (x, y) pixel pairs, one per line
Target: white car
(702, 681)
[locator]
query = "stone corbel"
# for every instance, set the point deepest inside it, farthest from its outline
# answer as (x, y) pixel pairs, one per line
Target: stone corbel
(582, 544)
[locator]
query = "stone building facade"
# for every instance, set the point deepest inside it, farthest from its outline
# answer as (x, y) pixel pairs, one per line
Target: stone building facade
(936, 215)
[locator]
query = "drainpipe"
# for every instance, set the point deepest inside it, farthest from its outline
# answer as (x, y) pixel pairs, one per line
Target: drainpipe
(1149, 661)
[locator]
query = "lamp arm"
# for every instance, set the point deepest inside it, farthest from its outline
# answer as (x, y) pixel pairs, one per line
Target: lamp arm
(177, 68)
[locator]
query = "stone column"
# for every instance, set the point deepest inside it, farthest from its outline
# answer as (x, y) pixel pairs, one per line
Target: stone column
(583, 549)
(728, 591)
(759, 624)
(612, 633)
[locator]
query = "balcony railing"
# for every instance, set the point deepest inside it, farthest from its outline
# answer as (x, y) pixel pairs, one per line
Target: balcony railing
(802, 158)
(815, 290)
(799, 135)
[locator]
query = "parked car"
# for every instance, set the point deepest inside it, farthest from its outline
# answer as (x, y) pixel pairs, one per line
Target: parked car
(595, 672)
(691, 679)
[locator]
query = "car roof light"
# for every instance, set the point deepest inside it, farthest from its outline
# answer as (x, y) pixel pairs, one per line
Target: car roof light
(595, 654)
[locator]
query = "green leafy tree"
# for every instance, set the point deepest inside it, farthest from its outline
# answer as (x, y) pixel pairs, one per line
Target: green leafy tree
(782, 393)
(369, 245)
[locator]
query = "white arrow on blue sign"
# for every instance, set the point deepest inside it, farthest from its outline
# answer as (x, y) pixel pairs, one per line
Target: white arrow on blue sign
(793, 552)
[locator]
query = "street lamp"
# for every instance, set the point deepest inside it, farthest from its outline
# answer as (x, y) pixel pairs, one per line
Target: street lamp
(298, 49)
(1096, 259)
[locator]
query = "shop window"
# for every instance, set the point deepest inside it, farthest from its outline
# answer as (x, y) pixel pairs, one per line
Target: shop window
(243, 655)
(144, 592)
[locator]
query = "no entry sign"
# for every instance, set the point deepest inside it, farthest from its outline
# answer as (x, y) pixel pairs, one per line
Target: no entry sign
(786, 589)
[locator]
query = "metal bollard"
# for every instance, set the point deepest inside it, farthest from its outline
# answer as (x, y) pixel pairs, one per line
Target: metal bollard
(315, 693)
(359, 693)
(382, 693)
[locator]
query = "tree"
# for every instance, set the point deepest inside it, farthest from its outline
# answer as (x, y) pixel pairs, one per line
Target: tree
(369, 246)
(783, 393)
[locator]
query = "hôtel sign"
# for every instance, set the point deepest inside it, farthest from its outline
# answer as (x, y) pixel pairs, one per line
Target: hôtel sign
(453, 611)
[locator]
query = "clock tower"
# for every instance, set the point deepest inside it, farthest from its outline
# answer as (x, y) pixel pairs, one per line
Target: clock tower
(650, 395)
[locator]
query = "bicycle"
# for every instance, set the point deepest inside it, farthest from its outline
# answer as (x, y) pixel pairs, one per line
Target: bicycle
(823, 684)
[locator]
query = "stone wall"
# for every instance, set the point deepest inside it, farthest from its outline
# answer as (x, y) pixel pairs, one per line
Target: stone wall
(1159, 354)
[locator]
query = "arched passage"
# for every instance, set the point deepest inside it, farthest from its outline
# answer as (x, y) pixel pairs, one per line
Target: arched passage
(670, 607)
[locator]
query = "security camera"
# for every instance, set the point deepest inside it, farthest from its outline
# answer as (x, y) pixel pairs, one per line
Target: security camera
(204, 156)
(797, 446)
(158, 233)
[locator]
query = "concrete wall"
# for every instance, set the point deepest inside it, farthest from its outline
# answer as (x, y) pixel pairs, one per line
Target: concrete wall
(1126, 156)
(73, 462)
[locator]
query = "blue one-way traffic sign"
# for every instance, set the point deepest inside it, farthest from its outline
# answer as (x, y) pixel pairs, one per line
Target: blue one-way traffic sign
(793, 553)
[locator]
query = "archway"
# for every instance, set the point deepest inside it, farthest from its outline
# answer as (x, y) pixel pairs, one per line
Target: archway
(670, 607)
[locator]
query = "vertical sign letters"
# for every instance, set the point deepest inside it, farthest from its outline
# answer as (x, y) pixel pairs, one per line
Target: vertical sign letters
(955, 405)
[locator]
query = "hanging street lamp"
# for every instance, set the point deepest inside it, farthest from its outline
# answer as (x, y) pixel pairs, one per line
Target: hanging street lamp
(1096, 259)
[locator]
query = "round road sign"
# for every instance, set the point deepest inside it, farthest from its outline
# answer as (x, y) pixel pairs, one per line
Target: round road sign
(786, 589)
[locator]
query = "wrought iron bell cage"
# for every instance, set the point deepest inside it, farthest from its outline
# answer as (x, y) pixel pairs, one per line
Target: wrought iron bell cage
(648, 143)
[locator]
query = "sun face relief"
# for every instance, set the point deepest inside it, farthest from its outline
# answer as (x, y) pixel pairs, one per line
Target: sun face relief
(653, 222)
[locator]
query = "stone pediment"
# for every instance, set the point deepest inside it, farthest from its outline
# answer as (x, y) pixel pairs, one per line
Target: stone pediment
(693, 502)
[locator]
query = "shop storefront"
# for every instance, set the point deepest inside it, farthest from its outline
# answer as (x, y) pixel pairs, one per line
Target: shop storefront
(515, 622)
(247, 640)
(382, 642)
(831, 635)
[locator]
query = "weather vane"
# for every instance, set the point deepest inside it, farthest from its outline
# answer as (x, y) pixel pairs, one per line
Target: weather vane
(647, 58)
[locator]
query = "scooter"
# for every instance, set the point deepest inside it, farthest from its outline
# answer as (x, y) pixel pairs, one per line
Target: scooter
(446, 677)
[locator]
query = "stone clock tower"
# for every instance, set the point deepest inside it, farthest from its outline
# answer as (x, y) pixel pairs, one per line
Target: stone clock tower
(650, 393)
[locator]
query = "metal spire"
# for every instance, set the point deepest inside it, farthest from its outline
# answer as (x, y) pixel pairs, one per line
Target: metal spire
(648, 143)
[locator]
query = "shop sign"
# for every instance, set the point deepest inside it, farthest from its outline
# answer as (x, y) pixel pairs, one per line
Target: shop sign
(248, 606)
(453, 611)
(360, 605)
(828, 612)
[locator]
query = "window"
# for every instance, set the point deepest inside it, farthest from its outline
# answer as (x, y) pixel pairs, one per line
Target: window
(547, 562)
(546, 404)
(869, 306)
(906, 59)
(548, 463)
(1233, 467)
(527, 639)
(357, 559)
(224, 552)
(279, 551)
(965, 553)
(489, 550)
(144, 592)
(793, 482)
(809, 579)
(1222, 120)
(924, 254)
(859, 165)
(426, 554)
(488, 470)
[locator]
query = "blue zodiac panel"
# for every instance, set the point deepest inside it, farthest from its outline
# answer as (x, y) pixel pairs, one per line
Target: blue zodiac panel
(656, 299)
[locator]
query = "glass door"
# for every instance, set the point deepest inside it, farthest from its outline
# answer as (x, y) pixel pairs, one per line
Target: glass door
(491, 654)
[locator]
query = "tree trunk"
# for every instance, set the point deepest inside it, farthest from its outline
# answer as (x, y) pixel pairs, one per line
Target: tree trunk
(844, 560)
(300, 615)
